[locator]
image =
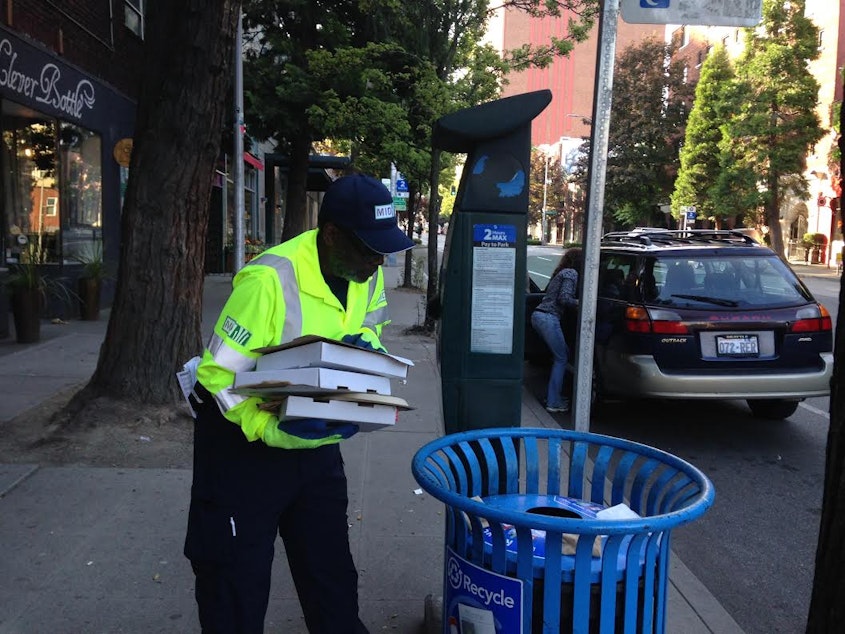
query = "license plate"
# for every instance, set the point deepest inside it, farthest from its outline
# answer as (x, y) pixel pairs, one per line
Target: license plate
(737, 346)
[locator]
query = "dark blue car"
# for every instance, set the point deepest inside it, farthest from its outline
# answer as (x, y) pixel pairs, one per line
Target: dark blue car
(702, 314)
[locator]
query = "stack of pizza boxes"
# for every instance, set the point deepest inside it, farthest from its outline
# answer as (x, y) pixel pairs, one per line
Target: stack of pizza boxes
(314, 377)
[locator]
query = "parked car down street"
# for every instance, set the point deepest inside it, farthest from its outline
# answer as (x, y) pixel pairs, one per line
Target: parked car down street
(702, 314)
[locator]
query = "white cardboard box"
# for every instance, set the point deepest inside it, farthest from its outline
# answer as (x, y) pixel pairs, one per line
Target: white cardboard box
(312, 351)
(307, 380)
(368, 417)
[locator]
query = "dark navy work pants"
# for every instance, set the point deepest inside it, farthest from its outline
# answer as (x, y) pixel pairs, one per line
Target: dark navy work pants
(243, 494)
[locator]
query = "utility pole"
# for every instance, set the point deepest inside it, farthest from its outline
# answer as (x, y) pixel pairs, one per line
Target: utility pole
(595, 206)
(543, 212)
(238, 159)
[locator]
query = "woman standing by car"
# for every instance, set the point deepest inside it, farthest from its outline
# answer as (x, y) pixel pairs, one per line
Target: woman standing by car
(547, 318)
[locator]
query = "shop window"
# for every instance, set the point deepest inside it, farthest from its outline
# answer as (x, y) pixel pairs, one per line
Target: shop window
(134, 16)
(29, 181)
(81, 189)
(50, 182)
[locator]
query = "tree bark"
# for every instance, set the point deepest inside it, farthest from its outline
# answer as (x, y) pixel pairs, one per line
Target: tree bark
(296, 209)
(433, 288)
(827, 602)
(155, 322)
(773, 214)
(413, 205)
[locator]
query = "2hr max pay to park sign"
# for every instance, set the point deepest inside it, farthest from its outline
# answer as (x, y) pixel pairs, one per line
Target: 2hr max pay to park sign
(705, 12)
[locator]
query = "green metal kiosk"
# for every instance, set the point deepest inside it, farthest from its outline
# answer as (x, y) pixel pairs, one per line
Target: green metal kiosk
(483, 273)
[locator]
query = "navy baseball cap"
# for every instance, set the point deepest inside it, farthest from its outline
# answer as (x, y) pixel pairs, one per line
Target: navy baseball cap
(364, 205)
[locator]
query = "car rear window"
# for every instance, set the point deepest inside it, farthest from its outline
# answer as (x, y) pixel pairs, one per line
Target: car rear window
(721, 280)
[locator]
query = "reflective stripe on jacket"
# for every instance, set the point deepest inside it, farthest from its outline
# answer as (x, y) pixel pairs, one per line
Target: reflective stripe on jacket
(279, 296)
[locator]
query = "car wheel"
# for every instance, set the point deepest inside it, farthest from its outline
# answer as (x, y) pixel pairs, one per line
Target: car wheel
(772, 408)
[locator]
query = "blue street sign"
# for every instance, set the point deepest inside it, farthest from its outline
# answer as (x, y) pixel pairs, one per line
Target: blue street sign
(401, 185)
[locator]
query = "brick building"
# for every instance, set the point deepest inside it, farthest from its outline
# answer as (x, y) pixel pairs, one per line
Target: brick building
(561, 126)
(560, 129)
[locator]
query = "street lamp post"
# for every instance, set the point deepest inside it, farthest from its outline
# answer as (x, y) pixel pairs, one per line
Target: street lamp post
(543, 211)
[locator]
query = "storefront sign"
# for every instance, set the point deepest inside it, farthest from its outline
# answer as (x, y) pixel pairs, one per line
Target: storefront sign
(68, 93)
(123, 152)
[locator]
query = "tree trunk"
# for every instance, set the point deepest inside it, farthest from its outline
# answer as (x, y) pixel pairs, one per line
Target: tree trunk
(773, 215)
(296, 207)
(413, 205)
(827, 602)
(433, 290)
(155, 320)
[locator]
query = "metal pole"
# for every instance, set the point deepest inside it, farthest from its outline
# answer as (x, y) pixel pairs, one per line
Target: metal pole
(238, 162)
(595, 207)
(543, 212)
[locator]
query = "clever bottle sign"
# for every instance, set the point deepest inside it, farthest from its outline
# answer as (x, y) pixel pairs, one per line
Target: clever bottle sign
(480, 601)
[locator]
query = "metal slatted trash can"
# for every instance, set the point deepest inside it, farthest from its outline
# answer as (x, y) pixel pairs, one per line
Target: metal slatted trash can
(550, 530)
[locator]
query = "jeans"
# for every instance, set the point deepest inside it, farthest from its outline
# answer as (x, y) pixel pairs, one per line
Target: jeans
(548, 327)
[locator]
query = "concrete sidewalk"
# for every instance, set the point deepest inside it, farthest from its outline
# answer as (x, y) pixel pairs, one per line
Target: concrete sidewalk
(100, 550)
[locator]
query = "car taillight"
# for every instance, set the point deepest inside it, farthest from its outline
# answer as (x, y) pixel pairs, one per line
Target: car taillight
(665, 322)
(812, 319)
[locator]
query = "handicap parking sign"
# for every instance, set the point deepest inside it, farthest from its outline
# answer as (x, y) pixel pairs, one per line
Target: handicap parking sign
(654, 4)
(401, 185)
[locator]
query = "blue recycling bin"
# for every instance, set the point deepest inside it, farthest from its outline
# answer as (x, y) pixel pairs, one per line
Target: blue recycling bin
(550, 530)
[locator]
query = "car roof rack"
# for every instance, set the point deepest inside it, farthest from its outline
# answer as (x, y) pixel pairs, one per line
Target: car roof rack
(652, 236)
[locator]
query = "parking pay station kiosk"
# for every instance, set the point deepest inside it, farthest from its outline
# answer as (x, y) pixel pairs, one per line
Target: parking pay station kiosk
(483, 274)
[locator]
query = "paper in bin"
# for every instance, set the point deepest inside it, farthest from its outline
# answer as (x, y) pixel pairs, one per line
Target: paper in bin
(618, 512)
(538, 537)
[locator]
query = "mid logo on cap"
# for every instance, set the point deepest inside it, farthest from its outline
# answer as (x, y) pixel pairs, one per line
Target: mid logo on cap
(384, 212)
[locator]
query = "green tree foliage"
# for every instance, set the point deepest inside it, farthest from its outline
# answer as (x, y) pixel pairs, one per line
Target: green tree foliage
(701, 156)
(556, 189)
(647, 125)
(280, 86)
(378, 73)
(774, 99)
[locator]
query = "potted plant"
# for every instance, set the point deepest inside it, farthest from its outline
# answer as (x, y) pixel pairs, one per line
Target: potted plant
(253, 247)
(28, 289)
(819, 248)
(90, 282)
(808, 242)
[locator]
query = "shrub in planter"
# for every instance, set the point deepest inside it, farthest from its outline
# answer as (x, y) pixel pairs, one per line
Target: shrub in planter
(89, 284)
(28, 288)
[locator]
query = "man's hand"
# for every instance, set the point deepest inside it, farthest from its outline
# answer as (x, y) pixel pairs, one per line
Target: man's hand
(317, 428)
(358, 340)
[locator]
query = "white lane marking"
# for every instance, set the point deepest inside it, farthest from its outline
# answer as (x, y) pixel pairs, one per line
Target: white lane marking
(815, 410)
(540, 257)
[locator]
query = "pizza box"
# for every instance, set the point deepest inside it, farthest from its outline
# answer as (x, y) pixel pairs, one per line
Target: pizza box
(269, 383)
(368, 416)
(313, 351)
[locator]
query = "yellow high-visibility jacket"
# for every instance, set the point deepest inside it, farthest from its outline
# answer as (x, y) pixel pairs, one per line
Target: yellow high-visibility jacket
(279, 296)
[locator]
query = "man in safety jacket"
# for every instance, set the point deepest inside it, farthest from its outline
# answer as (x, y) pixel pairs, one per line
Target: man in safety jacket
(255, 475)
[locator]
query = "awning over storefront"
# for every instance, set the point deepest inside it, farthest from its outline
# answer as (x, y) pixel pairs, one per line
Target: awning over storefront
(255, 162)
